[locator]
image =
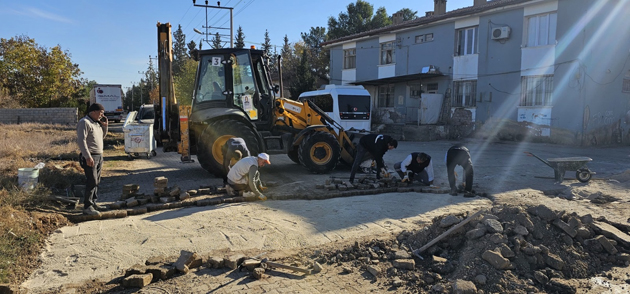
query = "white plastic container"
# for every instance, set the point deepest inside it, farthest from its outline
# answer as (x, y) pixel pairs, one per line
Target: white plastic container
(28, 178)
(139, 139)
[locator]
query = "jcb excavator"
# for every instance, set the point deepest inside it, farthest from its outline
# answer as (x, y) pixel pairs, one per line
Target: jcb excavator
(234, 97)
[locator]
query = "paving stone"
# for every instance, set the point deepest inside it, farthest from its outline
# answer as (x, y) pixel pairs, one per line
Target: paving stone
(543, 212)
(137, 281)
(565, 227)
(608, 246)
(184, 261)
(407, 264)
(554, 261)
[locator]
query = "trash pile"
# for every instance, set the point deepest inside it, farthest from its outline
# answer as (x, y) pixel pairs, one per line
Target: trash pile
(508, 249)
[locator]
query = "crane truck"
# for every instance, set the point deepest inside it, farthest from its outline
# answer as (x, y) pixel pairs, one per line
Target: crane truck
(233, 97)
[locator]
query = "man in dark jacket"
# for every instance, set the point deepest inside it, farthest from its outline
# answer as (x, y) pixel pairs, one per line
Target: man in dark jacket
(234, 148)
(419, 166)
(376, 145)
(459, 155)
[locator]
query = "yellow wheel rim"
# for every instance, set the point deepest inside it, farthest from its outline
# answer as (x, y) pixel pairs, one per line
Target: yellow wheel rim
(217, 153)
(321, 153)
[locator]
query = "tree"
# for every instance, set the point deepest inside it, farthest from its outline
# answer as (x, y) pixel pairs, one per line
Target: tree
(266, 46)
(192, 46)
(304, 80)
(36, 76)
(358, 18)
(407, 14)
(185, 82)
(240, 38)
(179, 49)
(318, 57)
(216, 41)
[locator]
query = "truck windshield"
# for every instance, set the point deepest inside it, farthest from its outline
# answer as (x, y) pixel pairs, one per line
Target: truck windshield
(211, 79)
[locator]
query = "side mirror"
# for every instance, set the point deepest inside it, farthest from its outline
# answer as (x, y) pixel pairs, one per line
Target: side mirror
(276, 88)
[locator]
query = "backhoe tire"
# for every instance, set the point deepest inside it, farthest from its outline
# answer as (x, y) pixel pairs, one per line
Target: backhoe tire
(293, 155)
(319, 152)
(214, 137)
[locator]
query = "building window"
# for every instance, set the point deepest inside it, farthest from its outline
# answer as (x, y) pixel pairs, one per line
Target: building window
(536, 90)
(541, 30)
(386, 96)
(626, 86)
(387, 53)
(466, 41)
(424, 38)
(464, 93)
(350, 58)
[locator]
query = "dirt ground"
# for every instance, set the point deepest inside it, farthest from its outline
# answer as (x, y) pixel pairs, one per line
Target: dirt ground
(357, 240)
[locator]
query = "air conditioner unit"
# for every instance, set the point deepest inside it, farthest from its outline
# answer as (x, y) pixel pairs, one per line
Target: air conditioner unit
(500, 33)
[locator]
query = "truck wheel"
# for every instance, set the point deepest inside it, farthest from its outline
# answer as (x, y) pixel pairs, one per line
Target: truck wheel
(319, 152)
(214, 137)
(293, 155)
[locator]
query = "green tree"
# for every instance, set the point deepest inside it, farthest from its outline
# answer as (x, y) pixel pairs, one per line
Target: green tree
(240, 38)
(304, 80)
(216, 41)
(358, 18)
(318, 57)
(266, 46)
(36, 76)
(180, 53)
(185, 82)
(407, 14)
(192, 47)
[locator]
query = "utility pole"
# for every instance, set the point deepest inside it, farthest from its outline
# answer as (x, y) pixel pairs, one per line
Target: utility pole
(208, 27)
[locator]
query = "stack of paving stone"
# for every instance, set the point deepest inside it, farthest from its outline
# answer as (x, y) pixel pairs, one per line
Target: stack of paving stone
(160, 185)
(129, 190)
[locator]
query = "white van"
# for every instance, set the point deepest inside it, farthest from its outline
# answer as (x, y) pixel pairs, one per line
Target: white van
(350, 106)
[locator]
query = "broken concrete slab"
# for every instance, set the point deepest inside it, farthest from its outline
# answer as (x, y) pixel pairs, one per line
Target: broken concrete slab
(496, 259)
(185, 259)
(612, 232)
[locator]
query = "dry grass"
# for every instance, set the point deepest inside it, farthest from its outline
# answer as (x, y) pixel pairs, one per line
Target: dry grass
(23, 229)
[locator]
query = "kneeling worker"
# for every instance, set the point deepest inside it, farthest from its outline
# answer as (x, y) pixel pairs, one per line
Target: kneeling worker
(244, 175)
(234, 148)
(459, 155)
(376, 145)
(417, 165)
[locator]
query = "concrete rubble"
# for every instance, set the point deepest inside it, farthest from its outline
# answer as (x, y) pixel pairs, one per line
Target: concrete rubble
(507, 245)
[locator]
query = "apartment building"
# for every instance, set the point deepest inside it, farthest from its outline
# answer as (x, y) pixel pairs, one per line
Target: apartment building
(555, 68)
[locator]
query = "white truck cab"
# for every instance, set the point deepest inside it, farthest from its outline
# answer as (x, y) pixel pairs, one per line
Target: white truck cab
(350, 106)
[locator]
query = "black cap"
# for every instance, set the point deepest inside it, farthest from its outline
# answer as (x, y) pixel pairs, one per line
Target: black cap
(96, 106)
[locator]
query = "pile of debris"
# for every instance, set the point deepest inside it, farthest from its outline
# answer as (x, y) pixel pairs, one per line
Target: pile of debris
(159, 268)
(520, 250)
(386, 184)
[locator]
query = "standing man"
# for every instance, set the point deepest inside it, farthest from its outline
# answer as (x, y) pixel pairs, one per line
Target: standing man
(244, 175)
(417, 164)
(234, 148)
(91, 130)
(459, 155)
(376, 145)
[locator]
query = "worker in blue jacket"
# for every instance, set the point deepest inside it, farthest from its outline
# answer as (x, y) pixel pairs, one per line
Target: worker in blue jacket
(376, 145)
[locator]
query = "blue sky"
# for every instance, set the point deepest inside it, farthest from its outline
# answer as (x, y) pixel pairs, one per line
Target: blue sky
(112, 40)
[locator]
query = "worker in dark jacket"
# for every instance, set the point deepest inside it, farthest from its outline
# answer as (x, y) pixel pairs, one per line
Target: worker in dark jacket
(376, 145)
(234, 148)
(459, 155)
(419, 166)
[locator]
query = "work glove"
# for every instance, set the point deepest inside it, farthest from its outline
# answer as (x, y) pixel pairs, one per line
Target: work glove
(405, 179)
(384, 173)
(261, 188)
(262, 197)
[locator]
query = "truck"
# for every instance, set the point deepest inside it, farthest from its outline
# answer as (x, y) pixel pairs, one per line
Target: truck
(234, 97)
(110, 96)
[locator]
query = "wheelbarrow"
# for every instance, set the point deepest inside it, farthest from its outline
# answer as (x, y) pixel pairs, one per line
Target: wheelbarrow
(562, 164)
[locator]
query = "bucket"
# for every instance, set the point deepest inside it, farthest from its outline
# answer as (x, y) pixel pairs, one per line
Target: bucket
(27, 178)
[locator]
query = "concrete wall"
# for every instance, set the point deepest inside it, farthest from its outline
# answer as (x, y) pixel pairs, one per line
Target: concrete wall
(64, 116)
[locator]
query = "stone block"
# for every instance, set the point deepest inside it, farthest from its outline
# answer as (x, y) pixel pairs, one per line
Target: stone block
(131, 202)
(185, 259)
(496, 259)
(137, 281)
(258, 273)
(464, 287)
(565, 227)
(137, 211)
(407, 264)
(374, 270)
(608, 246)
(215, 262)
(233, 261)
(554, 261)
(401, 254)
(476, 233)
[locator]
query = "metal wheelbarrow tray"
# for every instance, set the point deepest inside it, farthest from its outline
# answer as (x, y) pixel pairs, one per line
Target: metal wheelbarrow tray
(562, 164)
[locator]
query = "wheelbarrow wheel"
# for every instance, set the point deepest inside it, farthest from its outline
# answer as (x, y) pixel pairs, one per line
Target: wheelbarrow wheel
(583, 175)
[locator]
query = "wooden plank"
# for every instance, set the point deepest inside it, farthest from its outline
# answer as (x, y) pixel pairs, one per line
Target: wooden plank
(455, 227)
